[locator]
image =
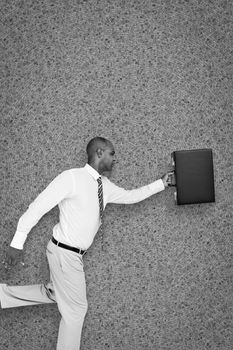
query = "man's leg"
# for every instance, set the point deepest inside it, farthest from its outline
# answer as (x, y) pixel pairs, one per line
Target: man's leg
(69, 285)
(14, 296)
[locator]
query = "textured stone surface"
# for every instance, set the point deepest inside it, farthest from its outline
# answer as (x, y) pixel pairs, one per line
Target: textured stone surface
(154, 77)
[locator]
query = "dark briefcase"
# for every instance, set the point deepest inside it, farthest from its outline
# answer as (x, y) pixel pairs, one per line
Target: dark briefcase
(193, 176)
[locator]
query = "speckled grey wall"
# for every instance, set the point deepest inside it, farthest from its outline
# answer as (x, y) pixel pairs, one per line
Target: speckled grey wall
(154, 77)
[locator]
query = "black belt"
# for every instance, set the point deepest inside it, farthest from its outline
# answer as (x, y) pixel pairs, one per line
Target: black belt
(65, 246)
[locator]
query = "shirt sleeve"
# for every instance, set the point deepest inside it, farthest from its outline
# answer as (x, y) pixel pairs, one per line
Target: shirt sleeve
(60, 188)
(119, 195)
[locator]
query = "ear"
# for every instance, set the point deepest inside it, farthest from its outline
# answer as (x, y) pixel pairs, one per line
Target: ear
(99, 152)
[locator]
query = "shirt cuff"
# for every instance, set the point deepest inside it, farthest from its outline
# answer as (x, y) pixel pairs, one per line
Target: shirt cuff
(157, 186)
(18, 240)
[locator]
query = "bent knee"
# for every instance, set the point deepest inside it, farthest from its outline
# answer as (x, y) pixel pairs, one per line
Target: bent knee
(78, 310)
(84, 307)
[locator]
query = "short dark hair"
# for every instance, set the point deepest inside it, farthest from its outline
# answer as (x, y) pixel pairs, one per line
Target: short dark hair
(94, 144)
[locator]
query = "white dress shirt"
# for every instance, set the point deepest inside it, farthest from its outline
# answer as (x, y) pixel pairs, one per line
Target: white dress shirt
(75, 191)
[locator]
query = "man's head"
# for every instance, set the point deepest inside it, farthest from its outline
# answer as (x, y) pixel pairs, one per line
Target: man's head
(101, 154)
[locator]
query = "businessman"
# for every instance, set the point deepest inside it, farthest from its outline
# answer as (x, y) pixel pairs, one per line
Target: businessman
(81, 194)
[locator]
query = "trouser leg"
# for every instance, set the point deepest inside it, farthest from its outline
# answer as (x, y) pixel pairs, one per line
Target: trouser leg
(69, 284)
(14, 296)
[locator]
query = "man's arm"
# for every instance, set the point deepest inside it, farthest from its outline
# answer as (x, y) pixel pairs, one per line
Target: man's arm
(119, 195)
(60, 188)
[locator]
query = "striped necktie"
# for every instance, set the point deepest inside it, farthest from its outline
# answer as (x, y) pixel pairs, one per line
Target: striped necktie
(101, 206)
(100, 197)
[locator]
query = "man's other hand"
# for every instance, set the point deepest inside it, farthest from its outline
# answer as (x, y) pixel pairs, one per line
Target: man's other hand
(166, 178)
(13, 256)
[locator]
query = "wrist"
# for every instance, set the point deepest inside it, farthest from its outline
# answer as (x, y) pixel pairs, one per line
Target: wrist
(16, 248)
(164, 182)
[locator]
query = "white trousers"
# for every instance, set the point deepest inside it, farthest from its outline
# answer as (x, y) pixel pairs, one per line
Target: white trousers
(67, 287)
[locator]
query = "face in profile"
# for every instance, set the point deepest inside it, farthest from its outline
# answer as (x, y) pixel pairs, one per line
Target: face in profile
(108, 159)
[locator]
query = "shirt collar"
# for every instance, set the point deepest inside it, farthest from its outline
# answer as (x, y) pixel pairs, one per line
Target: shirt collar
(92, 171)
